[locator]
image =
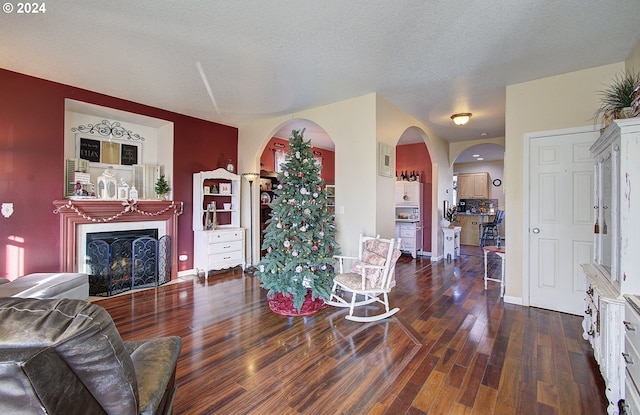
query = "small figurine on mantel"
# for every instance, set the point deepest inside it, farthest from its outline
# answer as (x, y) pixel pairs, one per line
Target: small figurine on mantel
(79, 191)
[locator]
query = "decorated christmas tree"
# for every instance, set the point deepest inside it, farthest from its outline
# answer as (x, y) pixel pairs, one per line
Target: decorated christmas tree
(300, 234)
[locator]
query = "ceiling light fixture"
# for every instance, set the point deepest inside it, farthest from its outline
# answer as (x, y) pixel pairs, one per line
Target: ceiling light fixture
(461, 118)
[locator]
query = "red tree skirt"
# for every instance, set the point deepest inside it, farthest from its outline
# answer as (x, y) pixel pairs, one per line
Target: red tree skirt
(283, 305)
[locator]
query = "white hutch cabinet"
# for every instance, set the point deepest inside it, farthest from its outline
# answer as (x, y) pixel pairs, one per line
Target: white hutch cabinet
(409, 216)
(218, 239)
(615, 270)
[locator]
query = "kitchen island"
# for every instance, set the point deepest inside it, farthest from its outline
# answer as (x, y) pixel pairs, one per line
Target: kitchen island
(470, 224)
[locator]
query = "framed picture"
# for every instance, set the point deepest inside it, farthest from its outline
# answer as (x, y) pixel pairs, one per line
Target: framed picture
(225, 188)
(384, 160)
(102, 152)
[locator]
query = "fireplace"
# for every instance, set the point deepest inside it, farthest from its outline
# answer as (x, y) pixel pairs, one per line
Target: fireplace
(119, 261)
(81, 217)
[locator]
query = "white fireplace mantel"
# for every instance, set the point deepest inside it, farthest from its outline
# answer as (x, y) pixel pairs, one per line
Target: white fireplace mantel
(74, 213)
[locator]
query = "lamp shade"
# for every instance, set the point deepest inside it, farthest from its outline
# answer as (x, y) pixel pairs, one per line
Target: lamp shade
(461, 118)
(250, 176)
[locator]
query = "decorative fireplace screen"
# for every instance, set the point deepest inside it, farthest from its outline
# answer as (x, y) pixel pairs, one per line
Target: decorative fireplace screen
(119, 263)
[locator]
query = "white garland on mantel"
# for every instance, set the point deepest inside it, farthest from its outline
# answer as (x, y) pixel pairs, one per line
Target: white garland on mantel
(129, 206)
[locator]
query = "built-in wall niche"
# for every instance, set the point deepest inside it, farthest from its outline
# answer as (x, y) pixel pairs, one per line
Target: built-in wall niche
(132, 147)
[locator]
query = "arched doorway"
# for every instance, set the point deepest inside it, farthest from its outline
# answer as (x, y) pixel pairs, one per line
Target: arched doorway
(274, 153)
(413, 160)
(482, 163)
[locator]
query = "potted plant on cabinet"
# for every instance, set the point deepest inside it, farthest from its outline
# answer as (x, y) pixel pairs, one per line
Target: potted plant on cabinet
(162, 187)
(300, 236)
(616, 99)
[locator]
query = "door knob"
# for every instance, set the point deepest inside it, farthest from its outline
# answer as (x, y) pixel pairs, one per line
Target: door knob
(536, 230)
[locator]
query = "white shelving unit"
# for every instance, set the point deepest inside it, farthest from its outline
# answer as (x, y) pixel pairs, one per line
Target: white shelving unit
(219, 241)
(409, 216)
(615, 269)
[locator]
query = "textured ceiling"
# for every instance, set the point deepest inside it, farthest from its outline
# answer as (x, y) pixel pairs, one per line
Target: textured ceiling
(226, 61)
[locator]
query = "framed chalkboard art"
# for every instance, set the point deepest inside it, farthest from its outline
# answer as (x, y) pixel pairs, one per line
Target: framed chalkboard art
(101, 151)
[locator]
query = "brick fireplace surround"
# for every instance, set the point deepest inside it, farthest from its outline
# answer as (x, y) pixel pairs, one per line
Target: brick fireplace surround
(78, 212)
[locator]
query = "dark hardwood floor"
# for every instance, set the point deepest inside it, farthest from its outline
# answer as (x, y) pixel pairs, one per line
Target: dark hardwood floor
(453, 348)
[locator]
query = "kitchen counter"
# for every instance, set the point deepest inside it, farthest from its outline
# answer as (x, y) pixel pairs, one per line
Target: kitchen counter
(475, 214)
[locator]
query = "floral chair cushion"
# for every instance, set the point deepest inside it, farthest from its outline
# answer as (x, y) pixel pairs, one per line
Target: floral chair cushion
(375, 253)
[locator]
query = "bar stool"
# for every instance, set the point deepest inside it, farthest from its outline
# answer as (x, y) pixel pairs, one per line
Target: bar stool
(500, 252)
(491, 230)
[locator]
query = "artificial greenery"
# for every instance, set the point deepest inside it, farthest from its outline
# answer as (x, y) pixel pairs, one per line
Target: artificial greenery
(451, 214)
(617, 95)
(162, 187)
(300, 235)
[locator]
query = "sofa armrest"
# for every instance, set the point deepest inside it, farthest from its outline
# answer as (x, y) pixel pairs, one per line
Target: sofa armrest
(155, 364)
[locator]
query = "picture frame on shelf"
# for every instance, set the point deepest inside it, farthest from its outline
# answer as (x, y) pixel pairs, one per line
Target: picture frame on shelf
(225, 188)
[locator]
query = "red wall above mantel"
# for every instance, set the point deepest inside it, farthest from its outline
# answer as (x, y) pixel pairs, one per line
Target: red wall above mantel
(32, 114)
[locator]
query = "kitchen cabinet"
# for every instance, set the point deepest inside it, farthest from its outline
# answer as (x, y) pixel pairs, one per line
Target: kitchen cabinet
(408, 193)
(473, 185)
(614, 270)
(451, 242)
(470, 224)
(409, 216)
(410, 235)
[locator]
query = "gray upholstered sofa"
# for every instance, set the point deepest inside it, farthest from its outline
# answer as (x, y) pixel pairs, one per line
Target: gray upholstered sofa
(66, 356)
(47, 285)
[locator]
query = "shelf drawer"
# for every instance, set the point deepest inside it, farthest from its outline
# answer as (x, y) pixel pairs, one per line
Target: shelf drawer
(632, 326)
(407, 232)
(632, 397)
(224, 257)
(225, 247)
(225, 236)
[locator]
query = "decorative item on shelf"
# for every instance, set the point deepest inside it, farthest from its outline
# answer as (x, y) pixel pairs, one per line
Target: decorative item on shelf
(617, 98)
(265, 199)
(225, 188)
(450, 216)
(300, 236)
(107, 185)
(211, 219)
(251, 177)
(226, 206)
(230, 167)
(214, 190)
(162, 187)
(123, 190)
(133, 193)
(206, 190)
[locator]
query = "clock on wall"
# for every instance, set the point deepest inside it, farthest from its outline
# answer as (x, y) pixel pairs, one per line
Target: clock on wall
(497, 182)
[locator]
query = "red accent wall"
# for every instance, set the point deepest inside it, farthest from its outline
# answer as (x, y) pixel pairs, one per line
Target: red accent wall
(415, 157)
(267, 160)
(32, 166)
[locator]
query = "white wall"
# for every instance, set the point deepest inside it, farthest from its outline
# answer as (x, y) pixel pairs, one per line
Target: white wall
(356, 126)
(156, 149)
(557, 102)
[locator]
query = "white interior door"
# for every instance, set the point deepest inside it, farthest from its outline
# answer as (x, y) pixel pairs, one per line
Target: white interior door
(561, 219)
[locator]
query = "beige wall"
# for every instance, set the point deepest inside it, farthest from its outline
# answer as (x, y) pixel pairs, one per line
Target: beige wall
(557, 102)
(633, 60)
(355, 126)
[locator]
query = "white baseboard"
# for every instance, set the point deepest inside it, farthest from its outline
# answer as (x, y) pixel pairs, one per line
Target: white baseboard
(437, 258)
(187, 274)
(512, 300)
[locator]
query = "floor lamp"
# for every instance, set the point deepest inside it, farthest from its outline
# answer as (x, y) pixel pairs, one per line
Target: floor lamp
(251, 177)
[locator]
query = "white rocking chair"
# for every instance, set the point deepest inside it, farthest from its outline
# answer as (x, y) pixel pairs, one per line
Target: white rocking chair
(371, 276)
